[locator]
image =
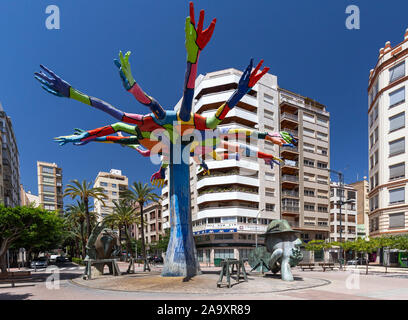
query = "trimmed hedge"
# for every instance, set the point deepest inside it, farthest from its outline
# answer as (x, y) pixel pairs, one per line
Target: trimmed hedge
(78, 261)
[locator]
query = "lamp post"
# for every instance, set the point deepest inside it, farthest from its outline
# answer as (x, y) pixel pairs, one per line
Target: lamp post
(256, 233)
(341, 183)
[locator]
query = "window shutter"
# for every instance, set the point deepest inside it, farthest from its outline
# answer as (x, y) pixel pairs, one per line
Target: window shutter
(397, 96)
(397, 195)
(397, 72)
(397, 122)
(397, 220)
(397, 171)
(397, 146)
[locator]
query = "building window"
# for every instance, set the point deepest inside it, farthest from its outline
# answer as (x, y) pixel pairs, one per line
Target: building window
(308, 117)
(309, 192)
(397, 97)
(103, 184)
(351, 195)
(321, 165)
(223, 253)
(114, 193)
(269, 176)
(308, 133)
(308, 147)
(308, 162)
(269, 207)
(397, 147)
(397, 195)
(309, 207)
(321, 208)
(397, 72)
(48, 189)
(397, 171)
(322, 151)
(114, 185)
(47, 170)
(322, 136)
(397, 121)
(397, 220)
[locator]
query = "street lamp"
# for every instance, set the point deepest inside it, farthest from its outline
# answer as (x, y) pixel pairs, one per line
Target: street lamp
(341, 202)
(256, 233)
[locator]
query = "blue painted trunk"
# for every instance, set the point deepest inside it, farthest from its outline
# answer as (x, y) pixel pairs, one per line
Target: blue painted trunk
(181, 258)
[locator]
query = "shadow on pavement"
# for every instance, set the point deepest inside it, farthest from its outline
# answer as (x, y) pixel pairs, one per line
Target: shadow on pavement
(11, 296)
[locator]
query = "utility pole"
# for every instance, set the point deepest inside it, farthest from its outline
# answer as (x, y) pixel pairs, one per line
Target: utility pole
(256, 233)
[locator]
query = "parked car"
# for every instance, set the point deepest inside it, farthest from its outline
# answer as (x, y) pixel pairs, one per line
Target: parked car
(39, 263)
(61, 259)
(155, 259)
(53, 258)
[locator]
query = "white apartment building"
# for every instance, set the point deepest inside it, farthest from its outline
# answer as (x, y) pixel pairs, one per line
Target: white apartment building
(232, 207)
(348, 223)
(388, 134)
(112, 182)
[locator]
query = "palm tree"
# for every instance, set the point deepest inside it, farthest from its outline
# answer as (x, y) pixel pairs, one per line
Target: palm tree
(141, 193)
(85, 191)
(124, 215)
(75, 216)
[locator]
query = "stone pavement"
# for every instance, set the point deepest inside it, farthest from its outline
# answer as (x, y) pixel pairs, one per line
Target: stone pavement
(316, 285)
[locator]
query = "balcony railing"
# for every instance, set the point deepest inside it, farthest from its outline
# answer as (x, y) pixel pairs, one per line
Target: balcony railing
(291, 163)
(290, 149)
(290, 209)
(290, 193)
(286, 177)
(289, 116)
(292, 132)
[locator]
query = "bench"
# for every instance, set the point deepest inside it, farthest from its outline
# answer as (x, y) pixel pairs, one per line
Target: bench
(306, 266)
(326, 265)
(227, 269)
(15, 276)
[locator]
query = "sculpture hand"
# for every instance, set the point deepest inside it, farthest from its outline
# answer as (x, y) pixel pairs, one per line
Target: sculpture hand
(205, 169)
(157, 178)
(53, 83)
(76, 138)
(196, 38)
(124, 70)
(272, 161)
(249, 79)
(289, 139)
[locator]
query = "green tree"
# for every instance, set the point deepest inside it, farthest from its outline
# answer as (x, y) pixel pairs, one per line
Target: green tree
(366, 246)
(32, 228)
(85, 191)
(124, 215)
(141, 193)
(75, 215)
(317, 245)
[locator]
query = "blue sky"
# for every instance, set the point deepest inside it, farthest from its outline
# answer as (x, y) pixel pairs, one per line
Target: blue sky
(305, 43)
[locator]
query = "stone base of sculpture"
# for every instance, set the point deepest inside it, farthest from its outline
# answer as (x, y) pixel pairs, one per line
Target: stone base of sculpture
(94, 268)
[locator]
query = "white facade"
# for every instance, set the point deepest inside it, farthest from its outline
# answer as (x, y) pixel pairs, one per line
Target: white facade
(388, 136)
(348, 220)
(112, 182)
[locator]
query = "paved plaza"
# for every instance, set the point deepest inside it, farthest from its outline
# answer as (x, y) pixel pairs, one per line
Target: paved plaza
(351, 284)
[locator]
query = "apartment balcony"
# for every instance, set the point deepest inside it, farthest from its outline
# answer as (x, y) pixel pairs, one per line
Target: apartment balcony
(294, 133)
(289, 181)
(290, 167)
(289, 210)
(230, 179)
(290, 193)
(227, 212)
(228, 195)
(236, 112)
(289, 120)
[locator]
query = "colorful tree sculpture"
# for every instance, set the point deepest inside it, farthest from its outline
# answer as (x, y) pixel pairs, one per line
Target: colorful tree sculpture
(175, 135)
